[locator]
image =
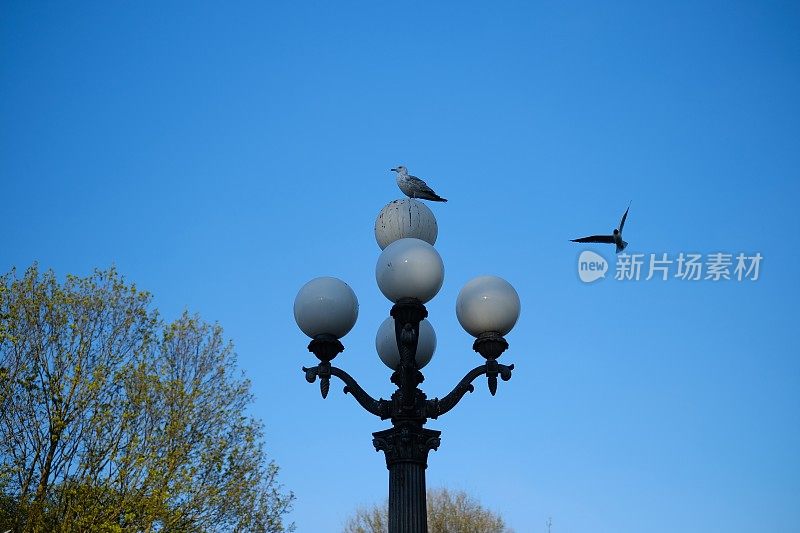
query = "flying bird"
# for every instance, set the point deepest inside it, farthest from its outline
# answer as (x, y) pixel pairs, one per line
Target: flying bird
(616, 238)
(413, 187)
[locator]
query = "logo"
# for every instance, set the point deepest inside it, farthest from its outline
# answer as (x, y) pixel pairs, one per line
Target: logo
(684, 266)
(591, 266)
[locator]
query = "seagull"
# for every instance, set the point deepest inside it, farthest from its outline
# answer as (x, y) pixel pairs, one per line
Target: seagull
(413, 187)
(616, 238)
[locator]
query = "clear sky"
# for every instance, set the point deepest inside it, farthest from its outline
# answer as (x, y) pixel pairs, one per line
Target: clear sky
(223, 154)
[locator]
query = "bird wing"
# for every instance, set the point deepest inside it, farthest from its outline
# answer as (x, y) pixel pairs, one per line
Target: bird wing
(420, 185)
(607, 239)
(622, 222)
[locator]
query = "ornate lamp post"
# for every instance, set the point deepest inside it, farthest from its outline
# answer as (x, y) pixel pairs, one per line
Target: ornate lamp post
(409, 273)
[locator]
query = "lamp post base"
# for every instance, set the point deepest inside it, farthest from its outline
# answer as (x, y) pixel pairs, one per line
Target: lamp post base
(406, 447)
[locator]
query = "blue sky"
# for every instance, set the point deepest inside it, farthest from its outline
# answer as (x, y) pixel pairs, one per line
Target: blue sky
(223, 154)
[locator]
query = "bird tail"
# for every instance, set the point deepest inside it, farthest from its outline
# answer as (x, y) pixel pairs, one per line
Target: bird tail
(432, 196)
(620, 248)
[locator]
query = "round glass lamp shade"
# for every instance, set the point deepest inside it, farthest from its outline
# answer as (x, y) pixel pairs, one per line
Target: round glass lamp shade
(487, 303)
(326, 306)
(386, 344)
(405, 218)
(409, 268)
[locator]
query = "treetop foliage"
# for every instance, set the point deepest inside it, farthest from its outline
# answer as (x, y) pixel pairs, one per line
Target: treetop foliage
(112, 419)
(448, 512)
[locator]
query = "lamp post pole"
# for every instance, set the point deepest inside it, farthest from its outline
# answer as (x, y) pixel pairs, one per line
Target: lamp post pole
(487, 307)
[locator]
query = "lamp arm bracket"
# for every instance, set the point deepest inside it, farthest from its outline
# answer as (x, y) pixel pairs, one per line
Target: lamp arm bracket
(436, 407)
(324, 371)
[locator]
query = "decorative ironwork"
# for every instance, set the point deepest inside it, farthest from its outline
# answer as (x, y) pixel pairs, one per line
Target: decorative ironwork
(407, 443)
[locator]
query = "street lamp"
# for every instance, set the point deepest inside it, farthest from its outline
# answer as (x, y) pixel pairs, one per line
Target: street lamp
(409, 272)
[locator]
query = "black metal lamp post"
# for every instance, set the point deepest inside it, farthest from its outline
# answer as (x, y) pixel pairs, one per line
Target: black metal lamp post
(409, 272)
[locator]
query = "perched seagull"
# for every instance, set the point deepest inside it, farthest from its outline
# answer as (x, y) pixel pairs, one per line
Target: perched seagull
(616, 238)
(413, 187)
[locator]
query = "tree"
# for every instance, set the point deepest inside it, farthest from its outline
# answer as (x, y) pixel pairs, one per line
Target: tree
(113, 420)
(448, 512)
